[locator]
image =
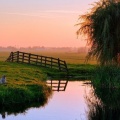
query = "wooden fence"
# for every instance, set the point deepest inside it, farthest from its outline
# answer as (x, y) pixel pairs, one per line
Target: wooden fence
(39, 60)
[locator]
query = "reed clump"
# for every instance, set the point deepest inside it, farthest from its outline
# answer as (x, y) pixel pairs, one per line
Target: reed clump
(106, 76)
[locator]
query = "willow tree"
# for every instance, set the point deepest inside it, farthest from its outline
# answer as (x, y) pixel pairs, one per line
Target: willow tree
(102, 27)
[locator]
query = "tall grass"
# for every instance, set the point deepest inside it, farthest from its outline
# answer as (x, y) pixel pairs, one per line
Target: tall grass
(107, 77)
(103, 104)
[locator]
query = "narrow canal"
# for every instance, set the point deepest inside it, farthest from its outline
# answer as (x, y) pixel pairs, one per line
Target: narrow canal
(73, 100)
(63, 105)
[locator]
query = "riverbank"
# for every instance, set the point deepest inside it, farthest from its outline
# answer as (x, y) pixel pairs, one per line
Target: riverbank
(25, 84)
(75, 72)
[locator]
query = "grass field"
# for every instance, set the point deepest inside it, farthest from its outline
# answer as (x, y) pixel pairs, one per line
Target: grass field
(4, 55)
(69, 57)
(21, 73)
(75, 62)
(27, 81)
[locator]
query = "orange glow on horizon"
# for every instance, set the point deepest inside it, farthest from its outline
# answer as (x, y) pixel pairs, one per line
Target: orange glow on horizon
(49, 28)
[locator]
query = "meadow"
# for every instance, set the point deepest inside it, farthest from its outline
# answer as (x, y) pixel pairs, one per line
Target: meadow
(69, 57)
(25, 83)
(75, 61)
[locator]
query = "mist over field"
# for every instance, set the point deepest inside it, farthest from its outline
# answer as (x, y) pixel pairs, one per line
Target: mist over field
(49, 49)
(69, 54)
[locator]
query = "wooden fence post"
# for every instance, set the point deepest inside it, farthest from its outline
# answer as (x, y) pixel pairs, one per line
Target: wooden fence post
(23, 57)
(45, 61)
(51, 62)
(17, 56)
(59, 64)
(65, 85)
(58, 86)
(41, 60)
(9, 58)
(12, 56)
(29, 58)
(66, 68)
(51, 83)
(37, 60)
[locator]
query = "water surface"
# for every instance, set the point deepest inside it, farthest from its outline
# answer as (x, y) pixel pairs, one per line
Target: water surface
(69, 104)
(71, 100)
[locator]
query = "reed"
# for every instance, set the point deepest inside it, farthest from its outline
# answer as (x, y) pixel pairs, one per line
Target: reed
(107, 77)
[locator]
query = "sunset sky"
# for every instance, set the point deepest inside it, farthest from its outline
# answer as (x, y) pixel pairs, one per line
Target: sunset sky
(48, 23)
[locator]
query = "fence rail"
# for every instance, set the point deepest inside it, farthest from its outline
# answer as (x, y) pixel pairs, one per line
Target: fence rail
(39, 60)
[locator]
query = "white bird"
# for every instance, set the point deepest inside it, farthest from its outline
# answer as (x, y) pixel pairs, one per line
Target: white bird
(3, 79)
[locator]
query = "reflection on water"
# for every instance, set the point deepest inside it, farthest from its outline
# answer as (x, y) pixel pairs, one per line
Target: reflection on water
(57, 85)
(71, 100)
(104, 104)
(65, 105)
(8, 110)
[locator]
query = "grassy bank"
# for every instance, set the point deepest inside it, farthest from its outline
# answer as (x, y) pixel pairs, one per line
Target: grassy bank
(25, 83)
(75, 61)
(75, 71)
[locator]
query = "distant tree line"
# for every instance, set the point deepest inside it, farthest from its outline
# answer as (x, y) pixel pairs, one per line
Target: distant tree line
(49, 49)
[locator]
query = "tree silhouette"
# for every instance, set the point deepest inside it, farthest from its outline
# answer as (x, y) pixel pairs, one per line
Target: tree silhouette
(102, 27)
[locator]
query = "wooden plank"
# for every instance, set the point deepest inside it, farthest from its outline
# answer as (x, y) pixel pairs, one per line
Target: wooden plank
(57, 83)
(58, 87)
